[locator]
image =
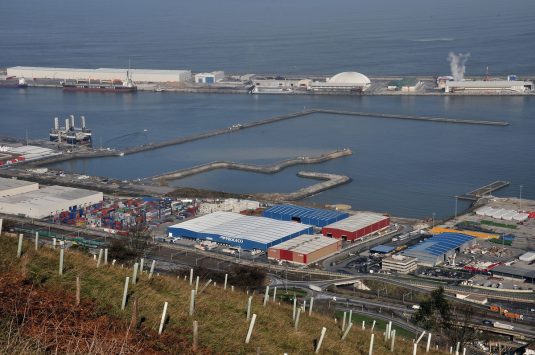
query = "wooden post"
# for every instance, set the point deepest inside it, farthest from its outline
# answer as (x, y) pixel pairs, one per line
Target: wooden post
(61, 255)
(310, 307)
(191, 277)
(370, 352)
(274, 293)
(152, 268)
(249, 301)
(19, 248)
(192, 303)
(195, 334)
(266, 295)
(125, 292)
(141, 265)
(106, 256)
(78, 290)
(36, 241)
(225, 284)
(99, 260)
(428, 342)
(297, 319)
(344, 321)
(295, 308)
(197, 285)
(347, 330)
(393, 341)
(323, 330)
(134, 274)
(164, 314)
(250, 331)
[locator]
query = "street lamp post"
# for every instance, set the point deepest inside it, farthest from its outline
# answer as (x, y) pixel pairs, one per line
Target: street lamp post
(521, 186)
(433, 220)
(456, 208)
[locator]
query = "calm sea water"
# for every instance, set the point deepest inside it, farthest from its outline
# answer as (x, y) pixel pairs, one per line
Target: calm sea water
(406, 168)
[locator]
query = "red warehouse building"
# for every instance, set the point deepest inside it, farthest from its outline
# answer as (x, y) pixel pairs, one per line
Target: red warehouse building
(304, 249)
(356, 226)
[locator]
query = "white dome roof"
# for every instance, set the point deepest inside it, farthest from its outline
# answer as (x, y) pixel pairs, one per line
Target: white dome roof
(349, 77)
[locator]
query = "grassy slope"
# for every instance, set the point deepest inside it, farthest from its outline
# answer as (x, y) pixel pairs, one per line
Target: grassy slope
(221, 314)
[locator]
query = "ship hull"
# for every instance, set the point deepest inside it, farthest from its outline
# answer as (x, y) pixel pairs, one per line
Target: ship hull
(100, 89)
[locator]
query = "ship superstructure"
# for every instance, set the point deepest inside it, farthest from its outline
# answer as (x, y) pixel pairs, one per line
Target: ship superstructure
(70, 134)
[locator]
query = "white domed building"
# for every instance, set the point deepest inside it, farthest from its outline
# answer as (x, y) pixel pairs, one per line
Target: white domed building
(350, 82)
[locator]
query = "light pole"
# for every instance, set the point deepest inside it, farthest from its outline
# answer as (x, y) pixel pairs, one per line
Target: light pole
(433, 220)
(455, 208)
(521, 186)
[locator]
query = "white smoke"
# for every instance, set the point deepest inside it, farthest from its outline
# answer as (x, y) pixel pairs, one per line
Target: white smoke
(457, 65)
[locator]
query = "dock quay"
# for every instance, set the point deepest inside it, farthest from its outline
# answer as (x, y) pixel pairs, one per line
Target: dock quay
(241, 126)
(263, 169)
(329, 181)
(484, 190)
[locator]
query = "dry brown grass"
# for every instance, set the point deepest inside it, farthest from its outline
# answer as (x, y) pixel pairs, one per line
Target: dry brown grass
(221, 314)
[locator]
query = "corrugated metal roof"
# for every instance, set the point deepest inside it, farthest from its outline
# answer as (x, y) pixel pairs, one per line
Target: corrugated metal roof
(357, 221)
(315, 216)
(438, 245)
(48, 195)
(382, 249)
(487, 84)
(306, 243)
(235, 225)
(8, 184)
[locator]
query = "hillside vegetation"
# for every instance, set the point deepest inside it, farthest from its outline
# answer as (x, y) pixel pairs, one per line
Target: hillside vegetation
(38, 313)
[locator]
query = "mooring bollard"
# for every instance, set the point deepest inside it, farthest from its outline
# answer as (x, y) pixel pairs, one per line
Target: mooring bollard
(78, 286)
(141, 265)
(36, 241)
(310, 307)
(192, 303)
(152, 268)
(266, 295)
(99, 260)
(162, 322)
(195, 334)
(428, 343)
(106, 256)
(134, 274)
(370, 352)
(297, 319)
(250, 331)
(323, 330)
(61, 255)
(225, 284)
(274, 293)
(249, 301)
(19, 247)
(125, 292)
(393, 341)
(347, 330)
(191, 277)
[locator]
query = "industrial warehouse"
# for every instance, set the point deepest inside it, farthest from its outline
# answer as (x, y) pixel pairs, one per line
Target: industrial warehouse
(437, 249)
(304, 249)
(488, 86)
(45, 202)
(11, 187)
(137, 75)
(313, 216)
(245, 232)
(356, 226)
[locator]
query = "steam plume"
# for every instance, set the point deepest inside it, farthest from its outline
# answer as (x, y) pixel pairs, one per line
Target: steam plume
(457, 65)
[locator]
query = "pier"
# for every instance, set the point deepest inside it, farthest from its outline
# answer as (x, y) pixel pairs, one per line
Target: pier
(329, 181)
(484, 190)
(263, 169)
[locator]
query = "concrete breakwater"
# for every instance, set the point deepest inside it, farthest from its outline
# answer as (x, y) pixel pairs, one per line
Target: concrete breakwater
(329, 181)
(263, 169)
(240, 126)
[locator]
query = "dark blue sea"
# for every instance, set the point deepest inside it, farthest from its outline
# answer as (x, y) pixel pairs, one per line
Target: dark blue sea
(402, 167)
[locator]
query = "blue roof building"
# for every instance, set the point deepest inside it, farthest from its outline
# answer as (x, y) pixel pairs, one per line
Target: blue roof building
(313, 216)
(382, 249)
(437, 249)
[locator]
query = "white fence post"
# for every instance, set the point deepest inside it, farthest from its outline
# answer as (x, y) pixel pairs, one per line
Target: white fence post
(152, 268)
(370, 352)
(323, 330)
(61, 255)
(36, 241)
(134, 274)
(192, 303)
(19, 247)
(310, 307)
(164, 313)
(250, 331)
(347, 330)
(125, 292)
(266, 296)
(225, 285)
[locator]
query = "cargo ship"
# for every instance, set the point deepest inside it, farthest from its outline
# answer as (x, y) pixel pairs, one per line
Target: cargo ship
(112, 86)
(70, 134)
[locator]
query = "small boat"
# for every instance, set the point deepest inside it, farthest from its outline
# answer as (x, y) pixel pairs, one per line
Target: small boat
(22, 83)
